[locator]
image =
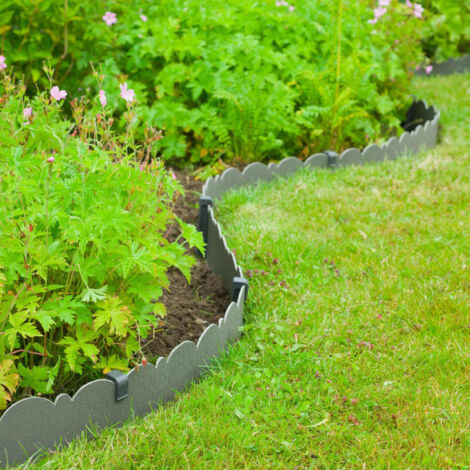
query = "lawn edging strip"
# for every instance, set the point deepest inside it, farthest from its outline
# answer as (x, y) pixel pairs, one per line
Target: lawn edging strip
(422, 123)
(35, 424)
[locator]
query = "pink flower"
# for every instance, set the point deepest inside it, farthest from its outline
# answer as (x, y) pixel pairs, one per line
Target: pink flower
(27, 112)
(109, 18)
(144, 18)
(292, 8)
(3, 64)
(418, 12)
(384, 3)
(428, 69)
(50, 160)
(141, 167)
(172, 174)
(103, 99)
(379, 11)
(409, 4)
(128, 95)
(58, 94)
(373, 21)
(296, 337)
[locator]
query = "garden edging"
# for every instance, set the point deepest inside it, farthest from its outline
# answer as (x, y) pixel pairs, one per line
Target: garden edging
(37, 423)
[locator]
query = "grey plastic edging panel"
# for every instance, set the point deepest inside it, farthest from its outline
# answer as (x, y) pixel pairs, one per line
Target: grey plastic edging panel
(287, 166)
(208, 188)
(255, 172)
(317, 160)
(230, 179)
(373, 154)
(392, 148)
(36, 423)
(218, 257)
(350, 156)
(405, 144)
(209, 344)
(233, 320)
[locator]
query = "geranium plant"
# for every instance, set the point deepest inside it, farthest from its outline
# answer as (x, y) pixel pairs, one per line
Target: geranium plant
(83, 256)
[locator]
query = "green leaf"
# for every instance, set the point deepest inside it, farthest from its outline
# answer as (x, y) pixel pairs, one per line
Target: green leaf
(191, 234)
(9, 380)
(113, 314)
(44, 318)
(107, 364)
(40, 378)
(94, 295)
(19, 325)
(84, 343)
(65, 309)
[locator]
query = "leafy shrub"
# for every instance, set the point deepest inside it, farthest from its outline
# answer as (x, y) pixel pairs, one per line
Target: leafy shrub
(231, 79)
(82, 246)
(447, 31)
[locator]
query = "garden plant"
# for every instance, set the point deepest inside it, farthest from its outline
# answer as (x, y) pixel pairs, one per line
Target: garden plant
(82, 246)
(240, 79)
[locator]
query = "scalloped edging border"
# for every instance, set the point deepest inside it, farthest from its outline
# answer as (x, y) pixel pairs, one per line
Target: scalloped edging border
(421, 120)
(35, 424)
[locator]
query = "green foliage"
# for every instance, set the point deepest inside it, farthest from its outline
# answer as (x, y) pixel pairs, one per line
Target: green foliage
(82, 247)
(232, 79)
(447, 29)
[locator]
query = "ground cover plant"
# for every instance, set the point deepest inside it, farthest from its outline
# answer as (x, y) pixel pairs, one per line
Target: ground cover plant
(354, 352)
(238, 79)
(82, 247)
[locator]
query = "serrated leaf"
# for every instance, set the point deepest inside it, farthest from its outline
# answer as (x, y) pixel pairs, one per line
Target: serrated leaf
(113, 314)
(44, 318)
(192, 236)
(9, 380)
(39, 378)
(94, 295)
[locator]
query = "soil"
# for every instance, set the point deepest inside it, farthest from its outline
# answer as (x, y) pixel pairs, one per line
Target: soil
(191, 307)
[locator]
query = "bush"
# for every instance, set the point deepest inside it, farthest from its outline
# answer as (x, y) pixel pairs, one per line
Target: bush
(82, 246)
(447, 32)
(232, 79)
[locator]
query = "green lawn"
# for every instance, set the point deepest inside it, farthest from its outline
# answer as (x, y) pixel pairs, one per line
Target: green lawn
(362, 358)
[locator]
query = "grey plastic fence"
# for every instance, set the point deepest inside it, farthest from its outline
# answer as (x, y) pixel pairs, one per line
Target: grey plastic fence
(35, 423)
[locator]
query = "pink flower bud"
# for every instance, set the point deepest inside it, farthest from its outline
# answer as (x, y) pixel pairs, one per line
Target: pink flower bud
(50, 160)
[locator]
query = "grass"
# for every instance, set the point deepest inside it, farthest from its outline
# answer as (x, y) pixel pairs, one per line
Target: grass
(361, 359)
